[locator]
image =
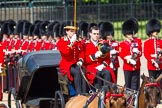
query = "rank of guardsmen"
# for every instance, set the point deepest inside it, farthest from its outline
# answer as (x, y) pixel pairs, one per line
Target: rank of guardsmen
(87, 50)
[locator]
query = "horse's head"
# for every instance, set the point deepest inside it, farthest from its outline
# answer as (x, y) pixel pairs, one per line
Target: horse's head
(117, 99)
(151, 90)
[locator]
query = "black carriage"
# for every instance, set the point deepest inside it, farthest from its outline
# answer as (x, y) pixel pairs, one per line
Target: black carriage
(37, 82)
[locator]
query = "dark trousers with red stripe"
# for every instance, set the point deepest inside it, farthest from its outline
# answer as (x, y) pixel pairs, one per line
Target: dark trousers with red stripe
(132, 79)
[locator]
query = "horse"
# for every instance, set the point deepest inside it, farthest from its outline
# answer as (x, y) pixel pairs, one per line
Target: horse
(149, 93)
(103, 99)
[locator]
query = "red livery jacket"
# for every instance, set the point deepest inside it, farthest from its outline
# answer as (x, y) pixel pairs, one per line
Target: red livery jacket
(125, 49)
(151, 47)
(91, 64)
(69, 56)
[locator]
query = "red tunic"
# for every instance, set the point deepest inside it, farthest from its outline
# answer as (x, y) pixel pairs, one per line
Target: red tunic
(150, 48)
(125, 49)
(37, 45)
(24, 47)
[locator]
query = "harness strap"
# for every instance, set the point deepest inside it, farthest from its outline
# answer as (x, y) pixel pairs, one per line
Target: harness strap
(152, 84)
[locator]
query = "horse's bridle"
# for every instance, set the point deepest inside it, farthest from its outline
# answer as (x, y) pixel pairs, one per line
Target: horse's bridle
(146, 86)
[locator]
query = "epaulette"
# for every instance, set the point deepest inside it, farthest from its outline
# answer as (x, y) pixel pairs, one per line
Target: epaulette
(65, 38)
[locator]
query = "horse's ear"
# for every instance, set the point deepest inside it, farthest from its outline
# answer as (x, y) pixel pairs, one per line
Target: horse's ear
(123, 89)
(143, 76)
(159, 78)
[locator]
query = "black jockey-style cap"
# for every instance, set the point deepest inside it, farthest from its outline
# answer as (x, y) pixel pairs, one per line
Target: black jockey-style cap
(153, 25)
(129, 27)
(91, 25)
(83, 28)
(26, 27)
(56, 30)
(36, 31)
(70, 25)
(62, 30)
(106, 28)
(43, 28)
(50, 28)
(31, 29)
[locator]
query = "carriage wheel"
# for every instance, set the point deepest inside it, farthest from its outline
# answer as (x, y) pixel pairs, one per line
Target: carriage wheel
(59, 97)
(11, 92)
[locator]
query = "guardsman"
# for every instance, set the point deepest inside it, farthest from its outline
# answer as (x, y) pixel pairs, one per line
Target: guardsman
(4, 33)
(37, 38)
(153, 48)
(50, 32)
(1, 66)
(11, 41)
(18, 36)
(43, 33)
(30, 35)
(107, 34)
(25, 42)
(68, 47)
(96, 59)
(57, 37)
(130, 52)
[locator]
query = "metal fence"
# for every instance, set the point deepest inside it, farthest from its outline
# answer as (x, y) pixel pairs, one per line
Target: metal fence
(91, 12)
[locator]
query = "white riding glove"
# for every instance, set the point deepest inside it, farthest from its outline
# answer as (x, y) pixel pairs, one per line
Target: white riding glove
(73, 39)
(98, 54)
(113, 52)
(79, 63)
(100, 67)
(131, 61)
(135, 50)
(111, 65)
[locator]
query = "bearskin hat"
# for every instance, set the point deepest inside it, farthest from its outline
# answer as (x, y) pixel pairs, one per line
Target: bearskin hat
(136, 23)
(153, 25)
(36, 31)
(19, 27)
(129, 27)
(4, 29)
(11, 27)
(83, 28)
(106, 29)
(26, 27)
(50, 28)
(43, 28)
(70, 25)
(91, 25)
(36, 22)
(56, 30)
(31, 29)
(62, 31)
(99, 24)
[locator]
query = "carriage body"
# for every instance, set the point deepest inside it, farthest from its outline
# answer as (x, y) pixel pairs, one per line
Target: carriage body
(37, 83)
